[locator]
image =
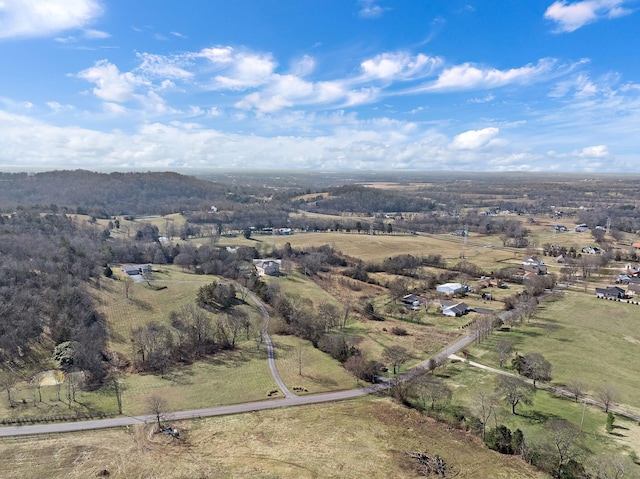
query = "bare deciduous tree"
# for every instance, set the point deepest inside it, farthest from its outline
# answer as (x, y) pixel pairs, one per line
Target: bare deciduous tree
(157, 406)
(396, 356)
(536, 367)
(8, 380)
(430, 389)
(504, 348)
(485, 406)
(577, 386)
(514, 391)
(565, 437)
(607, 395)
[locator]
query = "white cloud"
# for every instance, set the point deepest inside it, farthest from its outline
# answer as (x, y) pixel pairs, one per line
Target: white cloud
(162, 66)
(369, 9)
(581, 86)
(111, 84)
(474, 139)
(468, 76)
(114, 108)
(399, 65)
(303, 66)
(572, 16)
(95, 34)
(485, 99)
(58, 107)
(217, 55)
(247, 71)
(36, 18)
(334, 141)
(263, 103)
(593, 152)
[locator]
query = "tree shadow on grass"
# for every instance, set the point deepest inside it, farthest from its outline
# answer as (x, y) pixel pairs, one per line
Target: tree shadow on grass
(141, 304)
(181, 377)
(324, 382)
(533, 334)
(537, 417)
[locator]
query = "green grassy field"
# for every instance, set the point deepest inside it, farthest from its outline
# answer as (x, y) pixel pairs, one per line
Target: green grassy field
(145, 304)
(466, 381)
(356, 439)
(228, 377)
(479, 250)
(583, 337)
(301, 365)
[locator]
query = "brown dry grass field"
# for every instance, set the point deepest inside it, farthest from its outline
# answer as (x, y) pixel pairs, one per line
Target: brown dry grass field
(366, 438)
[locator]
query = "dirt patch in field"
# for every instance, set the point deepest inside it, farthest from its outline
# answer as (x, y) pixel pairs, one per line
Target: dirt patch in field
(632, 340)
(49, 378)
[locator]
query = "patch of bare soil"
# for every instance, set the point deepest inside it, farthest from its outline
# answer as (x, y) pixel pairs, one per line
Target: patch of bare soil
(632, 340)
(149, 439)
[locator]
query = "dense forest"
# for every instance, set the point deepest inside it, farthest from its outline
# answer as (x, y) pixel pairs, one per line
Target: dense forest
(46, 263)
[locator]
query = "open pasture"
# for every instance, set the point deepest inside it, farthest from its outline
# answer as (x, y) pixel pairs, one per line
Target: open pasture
(583, 337)
(381, 246)
(361, 438)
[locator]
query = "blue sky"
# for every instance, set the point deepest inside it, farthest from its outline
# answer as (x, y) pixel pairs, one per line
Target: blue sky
(487, 85)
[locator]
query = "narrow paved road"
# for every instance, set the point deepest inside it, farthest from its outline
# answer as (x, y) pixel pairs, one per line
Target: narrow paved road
(13, 431)
(271, 356)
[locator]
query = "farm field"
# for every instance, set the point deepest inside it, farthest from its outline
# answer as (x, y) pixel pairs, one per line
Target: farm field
(379, 247)
(363, 438)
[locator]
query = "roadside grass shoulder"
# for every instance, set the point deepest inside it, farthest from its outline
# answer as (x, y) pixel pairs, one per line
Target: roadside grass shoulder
(228, 377)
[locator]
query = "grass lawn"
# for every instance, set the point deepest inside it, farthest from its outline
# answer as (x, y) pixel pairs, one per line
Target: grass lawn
(299, 285)
(320, 372)
(229, 377)
(533, 419)
(144, 304)
(356, 439)
(582, 337)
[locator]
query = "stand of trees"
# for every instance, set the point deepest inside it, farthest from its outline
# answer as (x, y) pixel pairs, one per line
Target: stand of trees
(44, 272)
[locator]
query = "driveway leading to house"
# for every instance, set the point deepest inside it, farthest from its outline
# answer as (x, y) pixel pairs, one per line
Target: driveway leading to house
(271, 356)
